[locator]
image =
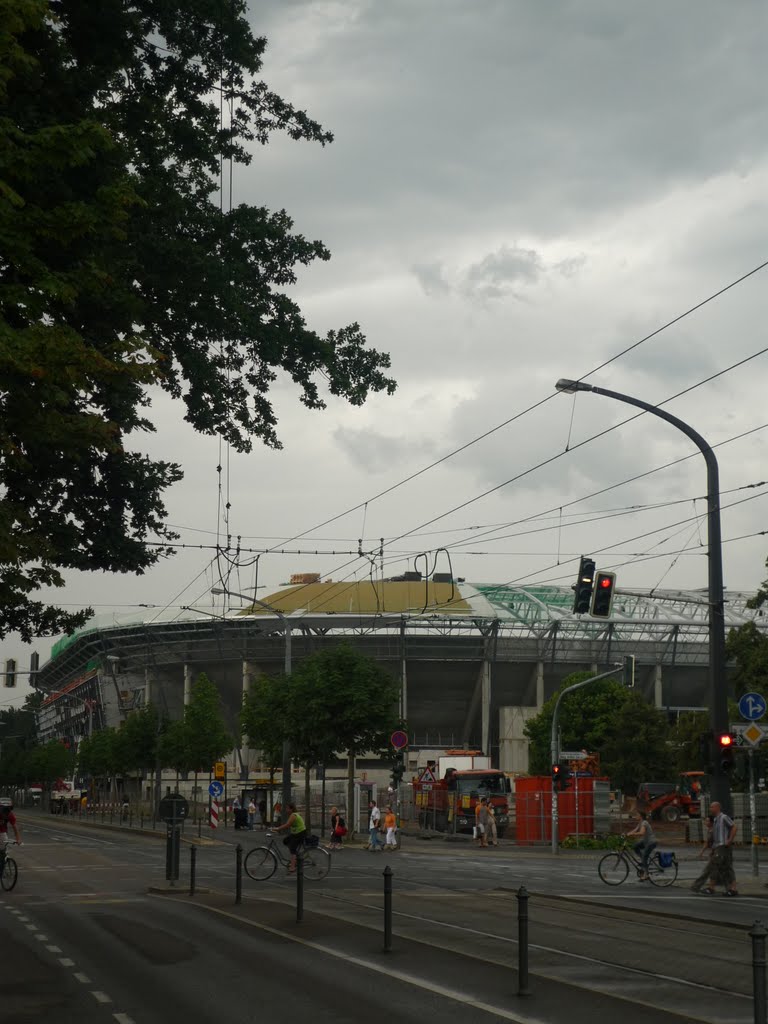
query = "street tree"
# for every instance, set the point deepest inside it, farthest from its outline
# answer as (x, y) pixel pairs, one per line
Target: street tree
(604, 718)
(205, 737)
(125, 267)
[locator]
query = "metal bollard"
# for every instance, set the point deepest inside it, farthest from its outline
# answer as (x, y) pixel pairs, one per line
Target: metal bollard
(238, 874)
(192, 869)
(523, 988)
(758, 935)
(299, 889)
(387, 909)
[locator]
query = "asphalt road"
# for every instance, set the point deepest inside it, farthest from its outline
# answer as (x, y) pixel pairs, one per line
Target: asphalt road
(86, 940)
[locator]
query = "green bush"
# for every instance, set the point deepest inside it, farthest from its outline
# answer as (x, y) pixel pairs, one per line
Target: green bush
(601, 842)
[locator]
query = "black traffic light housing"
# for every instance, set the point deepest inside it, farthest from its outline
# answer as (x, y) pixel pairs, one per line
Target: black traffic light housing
(726, 743)
(602, 594)
(561, 776)
(583, 586)
(398, 771)
(706, 751)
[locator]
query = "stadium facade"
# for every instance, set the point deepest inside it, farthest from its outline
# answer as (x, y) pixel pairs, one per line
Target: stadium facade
(474, 661)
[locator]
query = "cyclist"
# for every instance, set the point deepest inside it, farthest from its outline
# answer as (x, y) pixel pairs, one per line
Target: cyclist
(646, 844)
(7, 817)
(296, 835)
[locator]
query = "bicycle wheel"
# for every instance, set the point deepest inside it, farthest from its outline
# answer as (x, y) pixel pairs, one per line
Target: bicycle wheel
(662, 876)
(316, 863)
(260, 863)
(9, 875)
(613, 868)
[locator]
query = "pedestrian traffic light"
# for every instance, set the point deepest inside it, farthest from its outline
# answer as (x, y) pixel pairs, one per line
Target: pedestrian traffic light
(727, 747)
(602, 595)
(398, 771)
(583, 586)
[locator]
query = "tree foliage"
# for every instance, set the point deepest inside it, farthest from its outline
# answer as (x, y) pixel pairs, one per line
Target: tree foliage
(122, 269)
(205, 733)
(630, 736)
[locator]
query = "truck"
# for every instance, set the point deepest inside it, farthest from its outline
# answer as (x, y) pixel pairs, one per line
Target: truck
(446, 794)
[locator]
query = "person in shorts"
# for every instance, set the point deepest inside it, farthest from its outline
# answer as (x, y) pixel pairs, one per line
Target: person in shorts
(297, 832)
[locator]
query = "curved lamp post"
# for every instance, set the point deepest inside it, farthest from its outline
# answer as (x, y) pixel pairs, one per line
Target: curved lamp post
(718, 693)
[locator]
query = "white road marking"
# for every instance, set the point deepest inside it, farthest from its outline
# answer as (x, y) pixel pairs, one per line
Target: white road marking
(41, 938)
(22, 918)
(101, 997)
(31, 927)
(123, 1018)
(53, 949)
(82, 978)
(66, 962)
(409, 979)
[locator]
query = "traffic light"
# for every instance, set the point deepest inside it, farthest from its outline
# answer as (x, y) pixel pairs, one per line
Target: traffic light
(10, 672)
(725, 742)
(602, 595)
(398, 771)
(561, 776)
(34, 668)
(583, 585)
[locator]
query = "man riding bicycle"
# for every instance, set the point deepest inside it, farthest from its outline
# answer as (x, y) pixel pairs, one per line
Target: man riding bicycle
(7, 817)
(296, 836)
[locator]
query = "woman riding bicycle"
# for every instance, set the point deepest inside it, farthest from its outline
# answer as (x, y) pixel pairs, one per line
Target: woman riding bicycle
(646, 844)
(7, 818)
(296, 836)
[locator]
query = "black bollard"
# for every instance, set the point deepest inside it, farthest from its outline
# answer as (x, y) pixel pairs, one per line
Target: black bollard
(299, 888)
(522, 942)
(192, 869)
(758, 936)
(238, 874)
(387, 909)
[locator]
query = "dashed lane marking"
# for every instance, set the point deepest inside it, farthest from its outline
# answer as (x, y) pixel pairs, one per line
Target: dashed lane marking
(101, 997)
(82, 978)
(123, 1018)
(53, 949)
(66, 962)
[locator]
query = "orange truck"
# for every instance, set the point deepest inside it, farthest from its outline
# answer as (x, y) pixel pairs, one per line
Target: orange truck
(446, 796)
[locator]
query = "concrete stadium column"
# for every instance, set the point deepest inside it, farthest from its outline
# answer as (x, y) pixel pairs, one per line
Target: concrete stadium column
(539, 684)
(485, 705)
(658, 694)
(248, 674)
(187, 683)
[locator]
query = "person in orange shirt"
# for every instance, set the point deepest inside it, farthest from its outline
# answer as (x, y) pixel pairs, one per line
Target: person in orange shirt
(390, 824)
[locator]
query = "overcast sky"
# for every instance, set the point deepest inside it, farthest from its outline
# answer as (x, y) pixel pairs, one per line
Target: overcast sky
(518, 191)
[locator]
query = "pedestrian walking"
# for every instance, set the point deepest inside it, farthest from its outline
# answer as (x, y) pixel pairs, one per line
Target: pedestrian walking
(482, 821)
(374, 821)
(251, 814)
(390, 824)
(493, 834)
(708, 867)
(723, 834)
(477, 831)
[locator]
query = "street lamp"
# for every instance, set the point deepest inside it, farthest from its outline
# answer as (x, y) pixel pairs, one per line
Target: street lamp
(287, 671)
(718, 693)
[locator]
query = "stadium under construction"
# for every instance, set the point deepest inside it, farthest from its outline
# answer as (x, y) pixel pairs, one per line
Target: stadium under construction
(474, 661)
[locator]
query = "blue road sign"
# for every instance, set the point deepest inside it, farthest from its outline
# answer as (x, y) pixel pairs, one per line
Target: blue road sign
(399, 739)
(752, 706)
(216, 789)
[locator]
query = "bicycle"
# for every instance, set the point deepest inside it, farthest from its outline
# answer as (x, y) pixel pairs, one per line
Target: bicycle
(261, 862)
(10, 872)
(613, 868)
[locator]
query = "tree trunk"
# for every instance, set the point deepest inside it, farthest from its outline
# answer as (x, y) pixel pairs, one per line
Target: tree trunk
(351, 793)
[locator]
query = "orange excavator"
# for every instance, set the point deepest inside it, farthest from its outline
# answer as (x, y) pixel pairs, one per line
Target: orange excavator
(685, 798)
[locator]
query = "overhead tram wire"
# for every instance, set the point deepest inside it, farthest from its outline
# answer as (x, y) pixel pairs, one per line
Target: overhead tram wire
(530, 408)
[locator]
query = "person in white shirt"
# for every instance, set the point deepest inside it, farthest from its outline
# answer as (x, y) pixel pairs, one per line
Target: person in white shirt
(373, 827)
(723, 834)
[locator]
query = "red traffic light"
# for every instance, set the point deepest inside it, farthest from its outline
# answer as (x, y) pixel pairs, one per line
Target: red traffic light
(604, 581)
(726, 740)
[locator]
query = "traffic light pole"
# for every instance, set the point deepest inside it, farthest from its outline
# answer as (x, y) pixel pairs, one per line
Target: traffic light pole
(718, 692)
(554, 747)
